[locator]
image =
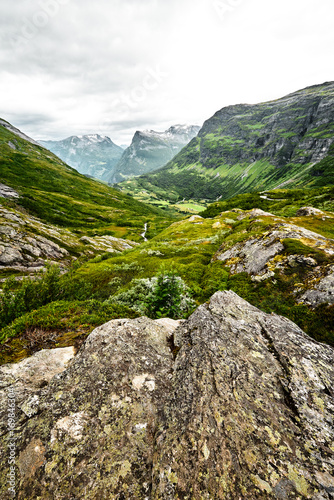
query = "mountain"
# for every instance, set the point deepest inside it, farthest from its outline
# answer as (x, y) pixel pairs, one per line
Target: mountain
(91, 155)
(150, 150)
(232, 403)
(38, 182)
(245, 148)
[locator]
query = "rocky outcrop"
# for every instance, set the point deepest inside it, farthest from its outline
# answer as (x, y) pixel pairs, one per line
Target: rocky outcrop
(255, 212)
(309, 211)
(255, 255)
(263, 255)
(320, 289)
(8, 192)
(27, 244)
(108, 243)
(230, 404)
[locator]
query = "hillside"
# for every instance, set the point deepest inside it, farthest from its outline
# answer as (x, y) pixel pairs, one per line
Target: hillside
(91, 155)
(287, 143)
(49, 189)
(280, 264)
(150, 150)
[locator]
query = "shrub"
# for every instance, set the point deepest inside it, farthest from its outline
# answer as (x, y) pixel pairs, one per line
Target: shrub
(30, 294)
(160, 296)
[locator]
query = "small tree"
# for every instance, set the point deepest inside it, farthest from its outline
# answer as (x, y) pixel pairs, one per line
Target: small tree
(167, 297)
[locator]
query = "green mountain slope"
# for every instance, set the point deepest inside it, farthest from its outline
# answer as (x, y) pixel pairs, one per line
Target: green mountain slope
(245, 148)
(58, 194)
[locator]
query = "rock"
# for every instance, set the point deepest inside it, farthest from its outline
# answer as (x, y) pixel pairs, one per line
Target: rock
(256, 212)
(308, 211)
(321, 292)
(263, 277)
(251, 411)
(252, 255)
(9, 255)
(108, 243)
(25, 240)
(37, 370)
(256, 255)
(6, 191)
(195, 218)
(300, 260)
(28, 376)
(244, 411)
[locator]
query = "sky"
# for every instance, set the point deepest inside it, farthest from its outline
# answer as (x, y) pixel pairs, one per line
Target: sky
(75, 67)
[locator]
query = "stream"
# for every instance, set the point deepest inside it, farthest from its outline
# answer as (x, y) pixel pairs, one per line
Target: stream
(144, 233)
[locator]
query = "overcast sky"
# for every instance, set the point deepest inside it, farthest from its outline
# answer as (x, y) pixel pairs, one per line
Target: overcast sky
(71, 67)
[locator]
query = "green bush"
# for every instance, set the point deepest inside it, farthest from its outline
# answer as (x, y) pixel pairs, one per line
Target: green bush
(17, 299)
(165, 295)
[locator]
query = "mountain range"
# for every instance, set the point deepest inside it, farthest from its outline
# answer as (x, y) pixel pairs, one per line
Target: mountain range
(157, 355)
(150, 150)
(287, 142)
(99, 157)
(92, 155)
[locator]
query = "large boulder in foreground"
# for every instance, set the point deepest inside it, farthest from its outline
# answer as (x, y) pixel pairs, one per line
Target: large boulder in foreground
(231, 404)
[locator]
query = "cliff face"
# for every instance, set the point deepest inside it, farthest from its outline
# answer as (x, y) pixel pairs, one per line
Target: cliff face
(297, 128)
(232, 403)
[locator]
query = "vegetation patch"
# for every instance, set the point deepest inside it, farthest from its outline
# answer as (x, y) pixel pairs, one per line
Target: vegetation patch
(57, 324)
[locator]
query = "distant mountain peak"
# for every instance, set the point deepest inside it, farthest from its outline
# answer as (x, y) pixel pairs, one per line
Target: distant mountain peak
(150, 150)
(91, 154)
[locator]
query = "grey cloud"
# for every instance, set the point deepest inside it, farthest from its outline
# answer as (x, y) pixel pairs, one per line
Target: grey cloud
(89, 65)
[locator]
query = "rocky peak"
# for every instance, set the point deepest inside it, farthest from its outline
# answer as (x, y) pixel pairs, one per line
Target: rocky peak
(232, 403)
(91, 154)
(150, 150)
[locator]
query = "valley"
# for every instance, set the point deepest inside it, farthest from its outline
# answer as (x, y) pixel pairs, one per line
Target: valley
(177, 310)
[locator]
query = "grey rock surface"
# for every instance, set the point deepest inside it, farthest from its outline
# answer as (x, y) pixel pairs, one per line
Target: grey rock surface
(260, 256)
(241, 409)
(27, 244)
(8, 192)
(321, 291)
(309, 211)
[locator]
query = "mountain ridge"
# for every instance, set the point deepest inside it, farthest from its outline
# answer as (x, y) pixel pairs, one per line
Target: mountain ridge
(90, 154)
(253, 147)
(149, 150)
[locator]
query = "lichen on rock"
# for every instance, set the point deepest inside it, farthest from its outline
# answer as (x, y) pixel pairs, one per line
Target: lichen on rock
(232, 404)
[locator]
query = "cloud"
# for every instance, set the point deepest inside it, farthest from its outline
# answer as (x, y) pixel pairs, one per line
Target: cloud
(75, 66)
